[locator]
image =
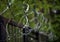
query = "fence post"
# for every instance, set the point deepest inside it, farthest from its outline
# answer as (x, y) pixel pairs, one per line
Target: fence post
(25, 37)
(37, 36)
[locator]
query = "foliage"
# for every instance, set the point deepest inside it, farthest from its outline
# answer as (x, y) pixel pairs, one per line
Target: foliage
(48, 24)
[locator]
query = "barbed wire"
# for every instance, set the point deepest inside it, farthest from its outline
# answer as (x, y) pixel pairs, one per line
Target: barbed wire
(25, 16)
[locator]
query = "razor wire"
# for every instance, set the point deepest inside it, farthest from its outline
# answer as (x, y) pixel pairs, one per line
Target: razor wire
(38, 25)
(26, 7)
(25, 16)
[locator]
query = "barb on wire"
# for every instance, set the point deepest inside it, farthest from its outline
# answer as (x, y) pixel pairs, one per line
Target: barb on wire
(9, 4)
(27, 31)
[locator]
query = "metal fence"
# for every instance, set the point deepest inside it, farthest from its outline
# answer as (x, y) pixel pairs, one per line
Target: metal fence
(14, 34)
(24, 36)
(22, 33)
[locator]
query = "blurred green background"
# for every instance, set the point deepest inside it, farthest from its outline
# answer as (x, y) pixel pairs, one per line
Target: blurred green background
(16, 11)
